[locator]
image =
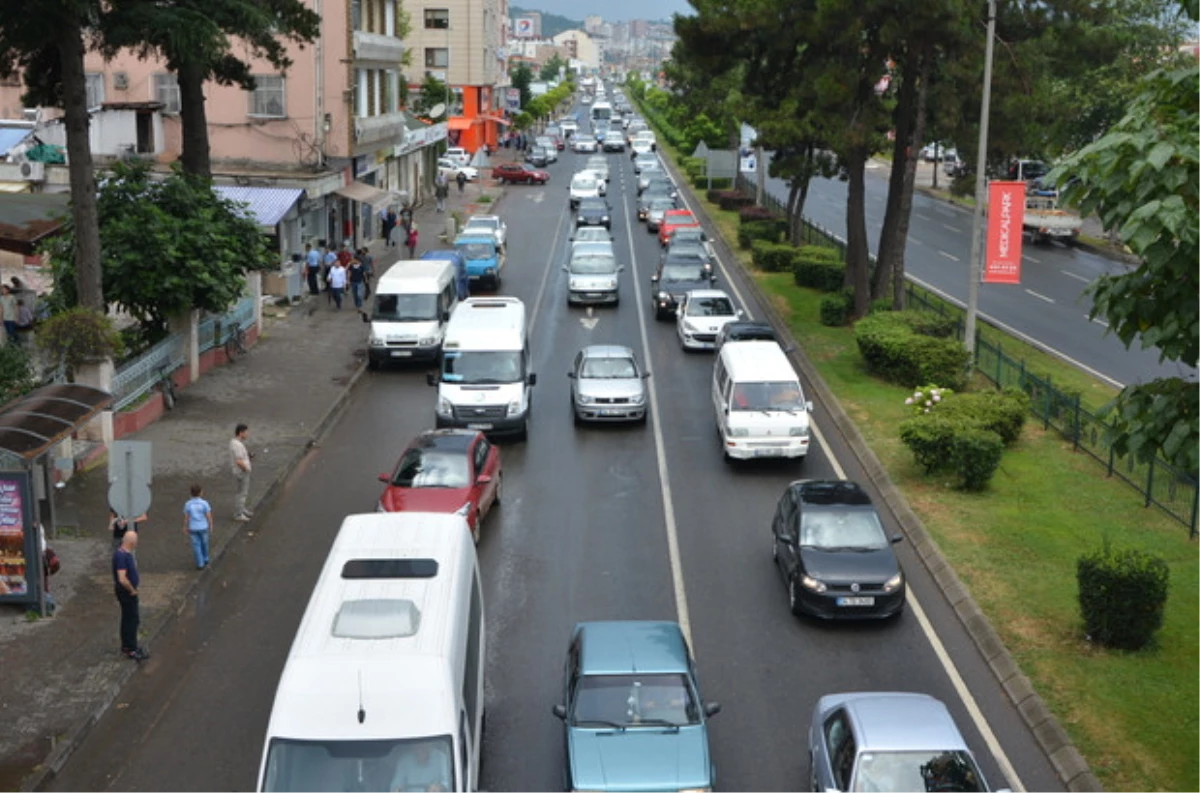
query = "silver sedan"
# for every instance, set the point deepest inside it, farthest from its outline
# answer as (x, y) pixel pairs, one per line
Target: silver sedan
(607, 384)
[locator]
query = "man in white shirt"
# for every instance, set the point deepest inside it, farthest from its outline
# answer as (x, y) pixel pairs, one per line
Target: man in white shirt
(337, 283)
(240, 460)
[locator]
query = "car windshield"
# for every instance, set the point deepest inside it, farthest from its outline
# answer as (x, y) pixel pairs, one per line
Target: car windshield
(634, 700)
(683, 272)
(709, 307)
(687, 236)
(929, 771)
(481, 224)
(593, 264)
(583, 183)
(476, 250)
(405, 308)
(593, 204)
(686, 257)
(841, 528)
(459, 366)
(661, 204)
(782, 395)
(332, 765)
(592, 234)
(681, 220)
(608, 368)
(432, 468)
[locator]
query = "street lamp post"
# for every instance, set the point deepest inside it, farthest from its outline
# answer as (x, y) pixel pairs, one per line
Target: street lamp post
(974, 266)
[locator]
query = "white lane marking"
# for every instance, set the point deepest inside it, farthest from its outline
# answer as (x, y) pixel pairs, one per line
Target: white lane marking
(915, 240)
(1033, 259)
(1039, 296)
(537, 303)
(1097, 321)
(955, 229)
(931, 636)
(923, 217)
(1076, 276)
(1018, 334)
(660, 453)
(591, 320)
(950, 256)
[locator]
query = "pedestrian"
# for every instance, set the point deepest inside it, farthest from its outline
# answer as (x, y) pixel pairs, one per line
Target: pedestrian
(240, 460)
(357, 275)
(198, 525)
(329, 261)
(48, 569)
(337, 283)
(411, 242)
(345, 254)
(389, 224)
(125, 585)
(8, 308)
(119, 526)
(441, 189)
(406, 216)
(312, 267)
(461, 179)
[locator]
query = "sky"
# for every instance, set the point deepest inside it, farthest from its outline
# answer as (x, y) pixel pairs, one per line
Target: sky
(611, 10)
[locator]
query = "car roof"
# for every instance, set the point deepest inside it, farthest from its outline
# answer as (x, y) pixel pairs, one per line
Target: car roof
(900, 721)
(607, 351)
(448, 440)
(744, 326)
(681, 212)
(706, 293)
(831, 492)
(614, 648)
(483, 219)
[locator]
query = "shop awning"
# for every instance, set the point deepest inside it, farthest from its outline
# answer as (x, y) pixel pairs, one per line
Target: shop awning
(29, 426)
(14, 187)
(266, 205)
(460, 123)
(366, 194)
(501, 120)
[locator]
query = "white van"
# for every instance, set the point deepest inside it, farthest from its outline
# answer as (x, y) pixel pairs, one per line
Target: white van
(760, 407)
(384, 688)
(485, 383)
(410, 308)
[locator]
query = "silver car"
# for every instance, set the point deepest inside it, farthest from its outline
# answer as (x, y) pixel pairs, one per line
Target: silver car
(607, 384)
(593, 275)
(599, 165)
(883, 741)
(547, 143)
(655, 211)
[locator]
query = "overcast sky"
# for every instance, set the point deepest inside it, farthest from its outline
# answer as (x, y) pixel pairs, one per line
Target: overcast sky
(611, 10)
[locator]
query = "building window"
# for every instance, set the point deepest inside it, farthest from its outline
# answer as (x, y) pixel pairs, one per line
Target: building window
(391, 97)
(437, 18)
(166, 90)
(437, 57)
(356, 15)
(95, 90)
(267, 98)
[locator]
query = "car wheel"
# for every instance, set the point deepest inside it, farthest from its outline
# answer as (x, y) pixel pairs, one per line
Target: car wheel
(372, 364)
(794, 596)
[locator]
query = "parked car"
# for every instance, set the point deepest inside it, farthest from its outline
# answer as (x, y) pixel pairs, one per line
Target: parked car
(458, 155)
(519, 173)
(608, 384)
(673, 219)
(701, 315)
(487, 224)
(449, 470)
(631, 708)
(451, 169)
(835, 558)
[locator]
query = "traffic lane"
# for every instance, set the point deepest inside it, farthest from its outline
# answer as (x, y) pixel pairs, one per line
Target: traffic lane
(586, 545)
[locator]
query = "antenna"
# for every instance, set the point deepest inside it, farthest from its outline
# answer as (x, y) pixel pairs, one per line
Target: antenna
(362, 713)
(437, 110)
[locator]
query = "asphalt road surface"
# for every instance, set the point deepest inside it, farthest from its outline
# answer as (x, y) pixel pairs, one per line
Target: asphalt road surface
(610, 523)
(1049, 306)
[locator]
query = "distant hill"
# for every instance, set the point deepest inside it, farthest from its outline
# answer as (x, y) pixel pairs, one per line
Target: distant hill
(552, 24)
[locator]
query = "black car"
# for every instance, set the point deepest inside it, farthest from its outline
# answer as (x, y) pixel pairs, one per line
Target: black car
(690, 248)
(673, 279)
(538, 157)
(645, 198)
(658, 181)
(835, 557)
(594, 212)
(746, 331)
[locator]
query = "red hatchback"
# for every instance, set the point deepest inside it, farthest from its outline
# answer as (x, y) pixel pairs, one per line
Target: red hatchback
(516, 172)
(675, 219)
(448, 470)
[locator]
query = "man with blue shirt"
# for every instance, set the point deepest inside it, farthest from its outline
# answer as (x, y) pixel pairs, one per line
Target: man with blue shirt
(197, 525)
(312, 268)
(125, 582)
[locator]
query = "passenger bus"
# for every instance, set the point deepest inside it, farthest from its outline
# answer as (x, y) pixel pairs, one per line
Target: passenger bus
(601, 111)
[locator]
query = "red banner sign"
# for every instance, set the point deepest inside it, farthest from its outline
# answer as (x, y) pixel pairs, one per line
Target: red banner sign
(1006, 214)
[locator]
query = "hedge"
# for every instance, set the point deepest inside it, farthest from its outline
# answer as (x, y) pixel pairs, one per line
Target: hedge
(752, 213)
(1001, 412)
(836, 309)
(765, 230)
(907, 347)
(976, 455)
(941, 443)
(772, 257)
(1122, 595)
(819, 268)
(733, 200)
(717, 183)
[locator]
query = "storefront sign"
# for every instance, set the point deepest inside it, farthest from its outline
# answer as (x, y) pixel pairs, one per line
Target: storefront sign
(419, 138)
(15, 547)
(512, 98)
(1006, 214)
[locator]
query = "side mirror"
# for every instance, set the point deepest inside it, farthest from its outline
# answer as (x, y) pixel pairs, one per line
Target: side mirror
(566, 269)
(364, 316)
(621, 269)
(571, 375)
(739, 313)
(484, 479)
(712, 279)
(897, 538)
(532, 379)
(808, 406)
(645, 375)
(789, 348)
(445, 316)
(560, 711)
(385, 478)
(712, 708)
(786, 539)
(431, 378)
(654, 279)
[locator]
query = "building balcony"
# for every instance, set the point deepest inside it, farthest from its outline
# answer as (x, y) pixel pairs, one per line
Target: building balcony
(388, 128)
(377, 48)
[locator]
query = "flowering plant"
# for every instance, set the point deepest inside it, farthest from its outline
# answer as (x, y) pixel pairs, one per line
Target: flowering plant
(926, 398)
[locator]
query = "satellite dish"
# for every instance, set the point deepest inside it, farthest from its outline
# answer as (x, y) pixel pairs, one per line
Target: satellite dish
(437, 110)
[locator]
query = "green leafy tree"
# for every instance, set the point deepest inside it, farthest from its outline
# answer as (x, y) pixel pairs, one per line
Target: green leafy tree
(78, 336)
(552, 67)
(169, 246)
(521, 77)
(16, 373)
(433, 92)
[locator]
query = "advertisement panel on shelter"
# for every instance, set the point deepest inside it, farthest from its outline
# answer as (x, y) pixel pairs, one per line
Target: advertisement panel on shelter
(1006, 214)
(18, 540)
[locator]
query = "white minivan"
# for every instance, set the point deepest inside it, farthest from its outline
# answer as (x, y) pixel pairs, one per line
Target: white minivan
(383, 688)
(760, 407)
(484, 382)
(410, 308)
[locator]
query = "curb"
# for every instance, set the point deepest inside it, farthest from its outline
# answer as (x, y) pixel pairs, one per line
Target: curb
(1068, 763)
(64, 748)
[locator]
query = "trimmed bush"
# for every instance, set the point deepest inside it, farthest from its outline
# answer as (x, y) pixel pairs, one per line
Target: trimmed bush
(734, 200)
(1122, 595)
(718, 182)
(893, 346)
(883, 304)
(772, 257)
(931, 440)
(819, 268)
(836, 308)
(756, 230)
(976, 456)
(1000, 412)
(751, 213)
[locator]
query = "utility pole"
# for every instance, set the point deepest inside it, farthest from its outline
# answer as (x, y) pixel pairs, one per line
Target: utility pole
(974, 266)
(760, 170)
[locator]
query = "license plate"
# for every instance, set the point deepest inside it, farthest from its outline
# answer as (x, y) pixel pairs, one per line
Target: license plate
(612, 412)
(401, 353)
(859, 601)
(766, 452)
(593, 295)
(488, 427)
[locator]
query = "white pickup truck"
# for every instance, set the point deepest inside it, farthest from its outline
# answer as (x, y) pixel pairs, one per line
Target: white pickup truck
(1044, 220)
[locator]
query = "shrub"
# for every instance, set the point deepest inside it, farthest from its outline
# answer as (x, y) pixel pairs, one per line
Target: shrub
(931, 440)
(772, 257)
(715, 196)
(976, 455)
(819, 268)
(751, 213)
(837, 308)
(926, 398)
(79, 335)
(893, 348)
(1000, 412)
(733, 200)
(1122, 595)
(756, 230)
(883, 304)
(16, 372)
(717, 182)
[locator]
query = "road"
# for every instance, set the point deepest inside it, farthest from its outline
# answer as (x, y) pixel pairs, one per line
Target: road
(613, 523)
(1049, 306)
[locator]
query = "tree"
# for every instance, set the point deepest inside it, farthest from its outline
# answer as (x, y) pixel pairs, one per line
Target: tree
(45, 45)
(433, 92)
(521, 77)
(203, 40)
(552, 67)
(169, 246)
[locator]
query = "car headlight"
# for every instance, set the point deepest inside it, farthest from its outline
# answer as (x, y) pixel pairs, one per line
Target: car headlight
(583, 399)
(637, 399)
(812, 583)
(427, 341)
(737, 432)
(444, 408)
(573, 284)
(376, 341)
(664, 297)
(604, 219)
(798, 432)
(514, 407)
(690, 328)
(894, 583)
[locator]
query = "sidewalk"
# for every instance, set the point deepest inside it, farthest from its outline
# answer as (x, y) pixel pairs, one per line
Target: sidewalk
(61, 673)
